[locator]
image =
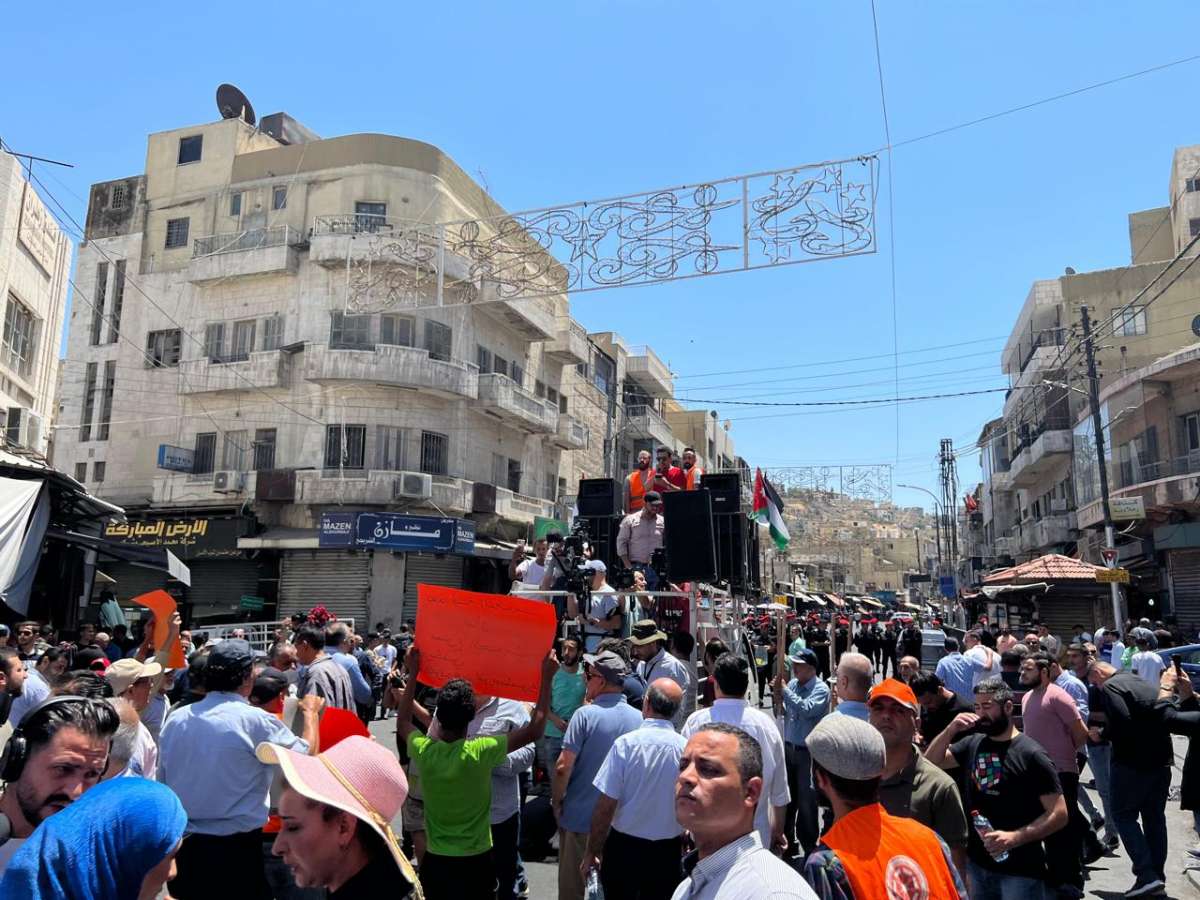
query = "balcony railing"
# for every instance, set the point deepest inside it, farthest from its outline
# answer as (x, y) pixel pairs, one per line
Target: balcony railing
(1051, 337)
(238, 241)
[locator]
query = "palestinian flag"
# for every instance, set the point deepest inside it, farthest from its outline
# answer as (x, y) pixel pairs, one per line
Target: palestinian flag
(768, 510)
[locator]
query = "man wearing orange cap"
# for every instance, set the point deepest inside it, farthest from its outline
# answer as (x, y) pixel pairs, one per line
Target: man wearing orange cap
(912, 786)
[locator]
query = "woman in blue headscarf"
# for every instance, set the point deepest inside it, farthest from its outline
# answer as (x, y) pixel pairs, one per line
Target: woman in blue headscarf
(116, 842)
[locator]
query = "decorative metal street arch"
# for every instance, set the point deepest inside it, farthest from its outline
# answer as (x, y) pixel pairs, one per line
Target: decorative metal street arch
(872, 482)
(763, 220)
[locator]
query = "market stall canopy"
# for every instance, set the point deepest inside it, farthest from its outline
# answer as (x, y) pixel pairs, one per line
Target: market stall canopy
(158, 558)
(869, 601)
(994, 591)
(1050, 568)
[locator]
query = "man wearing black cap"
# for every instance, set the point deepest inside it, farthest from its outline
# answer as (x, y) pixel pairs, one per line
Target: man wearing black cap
(206, 756)
(640, 534)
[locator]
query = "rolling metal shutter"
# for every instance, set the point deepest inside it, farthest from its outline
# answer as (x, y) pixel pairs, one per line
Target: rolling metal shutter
(338, 580)
(219, 585)
(1185, 584)
(131, 580)
(421, 568)
(1061, 614)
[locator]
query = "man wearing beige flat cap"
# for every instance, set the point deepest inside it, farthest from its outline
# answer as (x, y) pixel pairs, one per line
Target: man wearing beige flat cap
(133, 681)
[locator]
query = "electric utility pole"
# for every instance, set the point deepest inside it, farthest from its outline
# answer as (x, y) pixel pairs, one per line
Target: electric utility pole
(1094, 400)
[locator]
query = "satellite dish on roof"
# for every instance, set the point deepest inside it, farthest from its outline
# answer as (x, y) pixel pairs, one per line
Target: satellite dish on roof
(232, 104)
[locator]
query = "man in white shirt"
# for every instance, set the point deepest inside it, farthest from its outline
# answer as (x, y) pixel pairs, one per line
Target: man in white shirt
(528, 573)
(731, 675)
(985, 662)
(1146, 663)
(649, 648)
(133, 681)
(635, 838)
(602, 617)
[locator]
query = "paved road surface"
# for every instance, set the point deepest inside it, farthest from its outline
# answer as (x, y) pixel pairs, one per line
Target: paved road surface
(1109, 878)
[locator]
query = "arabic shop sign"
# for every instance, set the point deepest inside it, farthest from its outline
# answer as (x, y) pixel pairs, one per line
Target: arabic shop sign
(191, 538)
(175, 459)
(392, 531)
(464, 537)
(337, 530)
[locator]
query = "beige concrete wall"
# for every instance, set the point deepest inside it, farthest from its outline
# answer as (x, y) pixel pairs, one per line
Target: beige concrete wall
(1150, 238)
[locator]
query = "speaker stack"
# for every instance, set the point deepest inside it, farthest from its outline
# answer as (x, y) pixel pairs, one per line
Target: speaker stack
(688, 536)
(729, 526)
(599, 502)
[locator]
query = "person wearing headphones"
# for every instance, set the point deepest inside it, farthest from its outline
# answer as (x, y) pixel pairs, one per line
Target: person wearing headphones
(59, 751)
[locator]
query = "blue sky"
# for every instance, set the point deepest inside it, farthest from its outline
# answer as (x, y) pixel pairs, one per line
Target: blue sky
(548, 103)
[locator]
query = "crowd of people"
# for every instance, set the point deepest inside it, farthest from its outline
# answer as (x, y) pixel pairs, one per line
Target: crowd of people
(252, 772)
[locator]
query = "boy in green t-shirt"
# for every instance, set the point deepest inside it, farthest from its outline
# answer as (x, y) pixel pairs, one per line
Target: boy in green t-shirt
(456, 780)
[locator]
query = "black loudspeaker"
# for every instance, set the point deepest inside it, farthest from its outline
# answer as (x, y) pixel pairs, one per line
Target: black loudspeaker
(730, 539)
(726, 490)
(599, 497)
(602, 535)
(688, 536)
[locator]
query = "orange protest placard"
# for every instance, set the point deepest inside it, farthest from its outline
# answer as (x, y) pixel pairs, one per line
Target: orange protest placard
(162, 605)
(494, 641)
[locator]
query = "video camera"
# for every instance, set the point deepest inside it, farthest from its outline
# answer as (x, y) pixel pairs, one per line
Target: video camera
(570, 559)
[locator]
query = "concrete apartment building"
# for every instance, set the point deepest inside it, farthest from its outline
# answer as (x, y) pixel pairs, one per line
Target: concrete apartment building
(1029, 498)
(280, 362)
(35, 257)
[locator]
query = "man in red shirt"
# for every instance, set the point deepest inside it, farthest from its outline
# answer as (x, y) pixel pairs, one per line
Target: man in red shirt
(668, 477)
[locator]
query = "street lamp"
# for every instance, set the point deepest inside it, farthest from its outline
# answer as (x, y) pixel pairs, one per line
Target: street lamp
(937, 521)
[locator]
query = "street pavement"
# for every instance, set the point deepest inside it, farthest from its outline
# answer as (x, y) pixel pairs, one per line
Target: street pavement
(1108, 879)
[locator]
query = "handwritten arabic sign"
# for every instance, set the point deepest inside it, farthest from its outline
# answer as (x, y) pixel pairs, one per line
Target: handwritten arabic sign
(495, 641)
(199, 538)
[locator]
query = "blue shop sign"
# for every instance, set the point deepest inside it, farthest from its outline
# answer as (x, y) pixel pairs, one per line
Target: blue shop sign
(392, 531)
(337, 530)
(946, 582)
(175, 459)
(464, 537)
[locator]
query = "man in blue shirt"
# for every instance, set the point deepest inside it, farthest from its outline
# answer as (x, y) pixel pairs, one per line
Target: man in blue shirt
(955, 670)
(854, 676)
(207, 757)
(338, 644)
(590, 735)
(805, 700)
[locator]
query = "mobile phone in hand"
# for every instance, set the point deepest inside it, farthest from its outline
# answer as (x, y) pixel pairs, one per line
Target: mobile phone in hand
(1178, 664)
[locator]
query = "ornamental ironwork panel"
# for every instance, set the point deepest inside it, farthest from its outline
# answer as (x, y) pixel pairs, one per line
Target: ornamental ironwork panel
(872, 482)
(768, 219)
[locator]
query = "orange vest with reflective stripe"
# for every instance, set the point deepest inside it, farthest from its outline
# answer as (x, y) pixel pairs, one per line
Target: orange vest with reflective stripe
(638, 488)
(887, 856)
(692, 477)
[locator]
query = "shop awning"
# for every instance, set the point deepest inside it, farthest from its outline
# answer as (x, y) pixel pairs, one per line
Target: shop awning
(159, 558)
(870, 601)
(281, 539)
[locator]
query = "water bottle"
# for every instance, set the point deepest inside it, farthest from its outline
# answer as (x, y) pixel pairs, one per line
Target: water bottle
(982, 827)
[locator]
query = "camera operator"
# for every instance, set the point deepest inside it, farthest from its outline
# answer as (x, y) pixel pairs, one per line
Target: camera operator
(602, 614)
(641, 533)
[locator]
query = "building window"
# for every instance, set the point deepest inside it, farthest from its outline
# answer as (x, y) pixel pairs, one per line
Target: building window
(12, 427)
(118, 300)
(1129, 321)
(389, 448)
(397, 330)
(19, 331)
(214, 342)
(98, 468)
(235, 204)
(89, 402)
(369, 216)
(500, 365)
(177, 233)
(264, 449)
(190, 148)
(233, 454)
(1193, 185)
(243, 340)
(345, 446)
(514, 475)
(604, 374)
(437, 339)
(106, 399)
(562, 403)
(435, 453)
(162, 348)
(118, 197)
(98, 301)
(539, 389)
(205, 455)
(81, 472)
(349, 332)
(1191, 432)
(1193, 227)
(517, 374)
(483, 359)
(551, 487)
(279, 196)
(272, 332)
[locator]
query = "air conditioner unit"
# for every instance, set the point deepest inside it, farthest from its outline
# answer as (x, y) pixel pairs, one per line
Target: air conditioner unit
(228, 482)
(413, 485)
(1058, 506)
(483, 498)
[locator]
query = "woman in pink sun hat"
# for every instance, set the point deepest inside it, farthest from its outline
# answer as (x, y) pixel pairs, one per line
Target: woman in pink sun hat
(337, 810)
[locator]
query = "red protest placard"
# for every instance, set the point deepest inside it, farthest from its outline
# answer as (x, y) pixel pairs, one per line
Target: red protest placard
(162, 605)
(494, 641)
